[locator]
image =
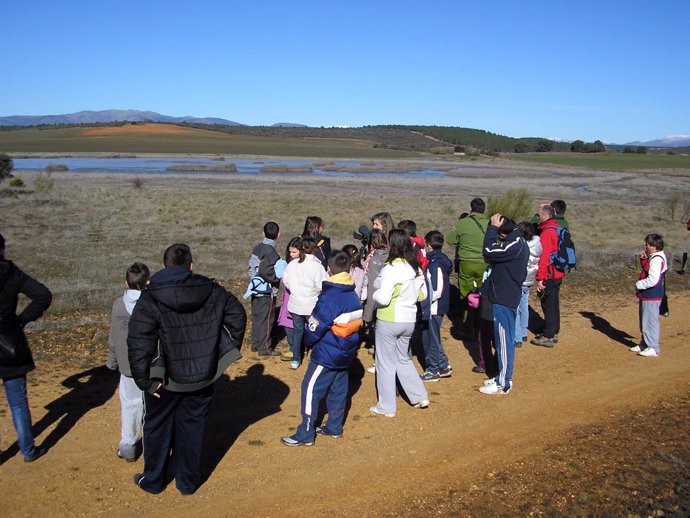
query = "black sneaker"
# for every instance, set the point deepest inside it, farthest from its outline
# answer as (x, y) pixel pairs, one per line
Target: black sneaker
(478, 369)
(446, 372)
(322, 431)
(39, 452)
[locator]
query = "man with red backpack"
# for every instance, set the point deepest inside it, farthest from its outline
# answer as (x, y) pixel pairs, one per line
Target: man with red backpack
(548, 278)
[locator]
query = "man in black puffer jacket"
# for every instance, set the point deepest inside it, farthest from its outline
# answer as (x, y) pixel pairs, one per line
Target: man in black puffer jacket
(184, 332)
(15, 355)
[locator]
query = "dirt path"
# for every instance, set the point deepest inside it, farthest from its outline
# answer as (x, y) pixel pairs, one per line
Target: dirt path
(581, 416)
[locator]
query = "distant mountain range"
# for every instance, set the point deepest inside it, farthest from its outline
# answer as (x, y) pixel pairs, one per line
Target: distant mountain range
(92, 117)
(668, 141)
(106, 116)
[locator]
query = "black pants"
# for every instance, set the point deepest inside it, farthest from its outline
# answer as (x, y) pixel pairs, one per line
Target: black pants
(176, 421)
(263, 316)
(551, 307)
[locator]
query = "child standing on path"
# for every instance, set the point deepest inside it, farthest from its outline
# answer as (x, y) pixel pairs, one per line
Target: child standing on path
(262, 263)
(284, 316)
(650, 291)
(437, 304)
(333, 332)
(303, 278)
(522, 320)
(131, 399)
(398, 289)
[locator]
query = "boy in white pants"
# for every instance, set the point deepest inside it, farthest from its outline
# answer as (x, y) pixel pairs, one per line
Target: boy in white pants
(131, 401)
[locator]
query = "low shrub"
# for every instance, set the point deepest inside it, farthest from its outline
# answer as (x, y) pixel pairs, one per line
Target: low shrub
(17, 182)
(516, 204)
(672, 204)
(44, 182)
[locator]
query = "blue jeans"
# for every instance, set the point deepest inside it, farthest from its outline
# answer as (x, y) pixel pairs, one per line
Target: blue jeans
(435, 355)
(295, 338)
(15, 388)
(522, 318)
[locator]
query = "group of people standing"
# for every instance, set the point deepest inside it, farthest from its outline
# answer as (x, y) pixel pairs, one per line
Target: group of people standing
(175, 332)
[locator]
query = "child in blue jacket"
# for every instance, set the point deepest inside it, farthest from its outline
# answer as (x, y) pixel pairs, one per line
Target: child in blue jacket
(333, 332)
(438, 302)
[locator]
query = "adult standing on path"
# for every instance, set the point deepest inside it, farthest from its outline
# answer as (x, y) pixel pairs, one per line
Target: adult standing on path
(467, 236)
(549, 279)
(184, 332)
(15, 356)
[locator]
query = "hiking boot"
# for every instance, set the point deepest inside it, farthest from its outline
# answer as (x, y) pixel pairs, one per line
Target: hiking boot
(446, 372)
(543, 341)
(270, 352)
(291, 441)
(430, 377)
(286, 357)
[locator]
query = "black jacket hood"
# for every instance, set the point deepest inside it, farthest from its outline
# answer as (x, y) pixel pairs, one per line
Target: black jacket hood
(180, 290)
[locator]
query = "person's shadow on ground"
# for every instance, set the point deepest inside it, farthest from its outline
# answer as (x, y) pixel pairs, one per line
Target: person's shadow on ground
(604, 326)
(88, 390)
(236, 405)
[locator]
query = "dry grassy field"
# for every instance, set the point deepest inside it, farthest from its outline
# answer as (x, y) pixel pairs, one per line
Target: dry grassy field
(81, 236)
(580, 414)
(171, 138)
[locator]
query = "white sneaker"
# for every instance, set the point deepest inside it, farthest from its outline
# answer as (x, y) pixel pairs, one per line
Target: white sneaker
(424, 403)
(648, 352)
(635, 349)
(492, 381)
(493, 389)
(372, 369)
(294, 364)
(376, 411)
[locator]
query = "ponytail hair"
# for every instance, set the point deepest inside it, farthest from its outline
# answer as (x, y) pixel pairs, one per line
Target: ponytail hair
(308, 247)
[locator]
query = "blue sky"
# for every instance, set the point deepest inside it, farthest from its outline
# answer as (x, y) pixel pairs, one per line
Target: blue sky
(612, 70)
